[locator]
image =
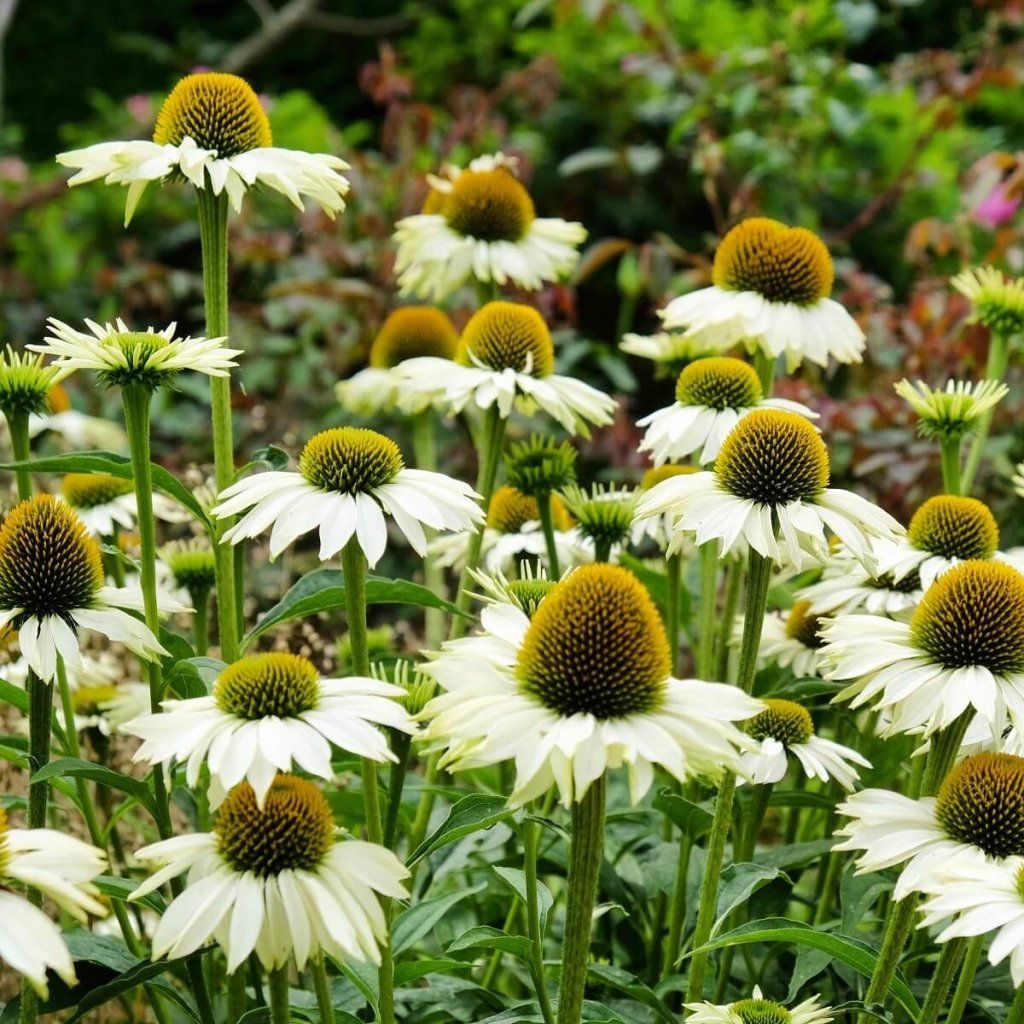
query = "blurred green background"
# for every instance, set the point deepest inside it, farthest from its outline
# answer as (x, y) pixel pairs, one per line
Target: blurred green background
(891, 126)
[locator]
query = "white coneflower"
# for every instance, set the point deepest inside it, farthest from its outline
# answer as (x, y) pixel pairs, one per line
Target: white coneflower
(659, 528)
(275, 882)
(52, 585)
(712, 396)
(955, 410)
(348, 480)
(582, 687)
(791, 640)
(408, 333)
(103, 502)
(603, 515)
(121, 356)
(771, 286)
(524, 593)
(979, 809)
(847, 586)
(769, 492)
(758, 1010)
(62, 868)
(26, 383)
(963, 648)
(668, 349)
(506, 359)
(784, 729)
(269, 712)
(192, 566)
(480, 225)
(213, 131)
(997, 301)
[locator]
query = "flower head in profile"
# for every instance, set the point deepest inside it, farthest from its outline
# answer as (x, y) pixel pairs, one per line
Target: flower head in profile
(52, 585)
(582, 687)
(122, 357)
(274, 881)
(962, 649)
(103, 502)
(671, 351)
(525, 592)
(409, 332)
(603, 515)
(791, 640)
(784, 730)
(540, 465)
(26, 383)
(954, 411)
(758, 1010)
(997, 301)
(213, 131)
(506, 358)
(192, 566)
(62, 869)
(659, 528)
(769, 492)
(847, 586)
(349, 479)
(978, 811)
(480, 225)
(771, 286)
(712, 396)
(269, 712)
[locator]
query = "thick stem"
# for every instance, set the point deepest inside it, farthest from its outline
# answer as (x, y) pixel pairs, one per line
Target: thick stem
(833, 871)
(213, 235)
(17, 426)
(949, 449)
(673, 581)
(942, 980)
(708, 556)
(965, 984)
(322, 986)
(585, 853)
(280, 1011)
(733, 586)
(489, 458)
(238, 998)
(758, 576)
(765, 367)
(548, 526)
(995, 369)
(200, 625)
(424, 443)
(1015, 1015)
(531, 843)
(677, 910)
(401, 744)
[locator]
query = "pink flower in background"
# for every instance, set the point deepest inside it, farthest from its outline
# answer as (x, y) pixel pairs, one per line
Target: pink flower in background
(140, 106)
(996, 208)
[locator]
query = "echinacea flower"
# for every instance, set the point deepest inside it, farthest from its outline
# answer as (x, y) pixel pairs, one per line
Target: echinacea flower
(540, 465)
(506, 359)
(349, 478)
(213, 131)
(669, 349)
(275, 882)
(267, 713)
(979, 809)
(962, 649)
(997, 301)
(192, 566)
(482, 226)
(525, 593)
(122, 357)
(52, 586)
(769, 492)
(791, 640)
(103, 502)
(26, 383)
(758, 1010)
(408, 333)
(771, 286)
(581, 688)
(603, 516)
(712, 396)
(785, 729)
(61, 868)
(976, 896)
(954, 411)
(659, 528)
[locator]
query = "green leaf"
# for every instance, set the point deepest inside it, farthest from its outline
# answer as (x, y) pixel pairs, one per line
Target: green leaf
(485, 937)
(118, 888)
(193, 677)
(76, 768)
(690, 818)
(854, 952)
(421, 918)
(740, 882)
(144, 971)
(470, 814)
(515, 879)
(324, 590)
(409, 971)
(625, 982)
(796, 854)
(272, 457)
(119, 466)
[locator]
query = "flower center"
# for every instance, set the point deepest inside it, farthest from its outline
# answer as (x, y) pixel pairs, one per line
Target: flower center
(490, 205)
(193, 566)
(217, 111)
(603, 516)
(719, 382)
(412, 331)
(529, 593)
(982, 803)
(49, 565)
(89, 700)
(268, 685)
(135, 349)
(508, 336)
(596, 646)
(510, 510)
(760, 1011)
(954, 528)
(655, 476)
(904, 585)
(350, 460)
(293, 832)
(780, 263)
(782, 720)
(803, 627)
(87, 490)
(973, 615)
(773, 458)
(25, 383)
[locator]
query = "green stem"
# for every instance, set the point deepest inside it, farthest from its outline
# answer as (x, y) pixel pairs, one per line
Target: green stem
(674, 582)
(424, 444)
(531, 843)
(213, 235)
(548, 526)
(677, 910)
(421, 819)
(200, 624)
(995, 369)
(949, 450)
(758, 577)
(322, 986)
(17, 427)
(1015, 1015)
(585, 853)
(975, 948)
(765, 367)
(942, 980)
(280, 1009)
(833, 870)
(733, 586)
(489, 458)
(401, 744)
(238, 998)
(708, 557)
